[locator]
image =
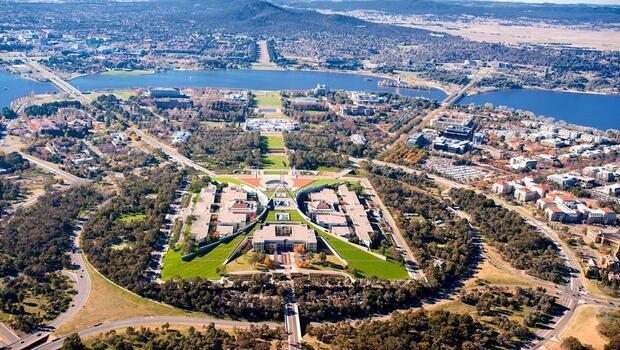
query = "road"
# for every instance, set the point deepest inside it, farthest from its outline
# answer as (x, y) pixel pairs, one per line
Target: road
(8, 145)
(82, 287)
(571, 295)
(396, 234)
(54, 79)
(170, 151)
(153, 321)
(264, 57)
(7, 336)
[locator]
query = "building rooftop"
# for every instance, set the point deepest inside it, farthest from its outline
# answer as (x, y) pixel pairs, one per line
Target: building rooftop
(289, 231)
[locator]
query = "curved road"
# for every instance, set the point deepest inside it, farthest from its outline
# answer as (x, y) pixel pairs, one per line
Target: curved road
(571, 295)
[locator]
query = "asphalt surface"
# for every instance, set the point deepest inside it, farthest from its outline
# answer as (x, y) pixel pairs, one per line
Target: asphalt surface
(570, 295)
(82, 287)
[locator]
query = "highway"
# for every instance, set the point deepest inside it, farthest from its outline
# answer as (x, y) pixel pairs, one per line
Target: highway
(82, 289)
(570, 295)
(54, 79)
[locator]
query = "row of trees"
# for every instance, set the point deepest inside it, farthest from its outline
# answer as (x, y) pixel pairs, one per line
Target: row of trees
(409, 330)
(312, 148)
(487, 300)
(517, 241)
(166, 338)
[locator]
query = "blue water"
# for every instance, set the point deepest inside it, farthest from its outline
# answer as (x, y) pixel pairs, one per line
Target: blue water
(246, 79)
(598, 111)
(18, 87)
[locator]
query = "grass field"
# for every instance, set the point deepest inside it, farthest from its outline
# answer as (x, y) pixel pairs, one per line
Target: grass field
(230, 180)
(275, 161)
(268, 99)
(366, 263)
(583, 327)
(201, 266)
(131, 218)
(321, 182)
(127, 72)
(275, 142)
(109, 302)
(122, 94)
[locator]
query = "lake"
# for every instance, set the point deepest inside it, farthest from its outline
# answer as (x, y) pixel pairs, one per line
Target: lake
(247, 79)
(12, 87)
(598, 111)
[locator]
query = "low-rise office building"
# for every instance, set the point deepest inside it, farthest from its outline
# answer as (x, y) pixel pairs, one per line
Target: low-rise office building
(273, 237)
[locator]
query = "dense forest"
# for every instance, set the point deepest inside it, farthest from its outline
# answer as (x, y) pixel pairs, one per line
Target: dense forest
(50, 108)
(313, 148)
(120, 250)
(10, 189)
(443, 248)
(411, 330)
(226, 147)
(167, 338)
(517, 241)
(33, 252)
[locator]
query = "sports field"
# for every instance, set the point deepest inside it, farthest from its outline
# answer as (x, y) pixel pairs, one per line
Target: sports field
(204, 266)
(268, 99)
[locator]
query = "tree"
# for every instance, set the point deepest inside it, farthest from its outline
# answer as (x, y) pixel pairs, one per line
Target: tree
(572, 343)
(322, 258)
(73, 342)
(8, 113)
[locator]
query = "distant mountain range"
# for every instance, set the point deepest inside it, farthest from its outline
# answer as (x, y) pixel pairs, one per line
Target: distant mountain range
(570, 13)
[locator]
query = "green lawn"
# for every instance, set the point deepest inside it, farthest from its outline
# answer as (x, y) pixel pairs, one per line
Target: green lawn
(275, 142)
(230, 180)
(201, 266)
(127, 72)
(293, 214)
(315, 112)
(321, 182)
(268, 99)
(367, 264)
(275, 161)
(131, 218)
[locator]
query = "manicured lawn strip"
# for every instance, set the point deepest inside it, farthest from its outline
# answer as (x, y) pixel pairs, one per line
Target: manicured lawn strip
(201, 266)
(321, 182)
(269, 99)
(367, 264)
(275, 142)
(275, 162)
(293, 214)
(231, 180)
